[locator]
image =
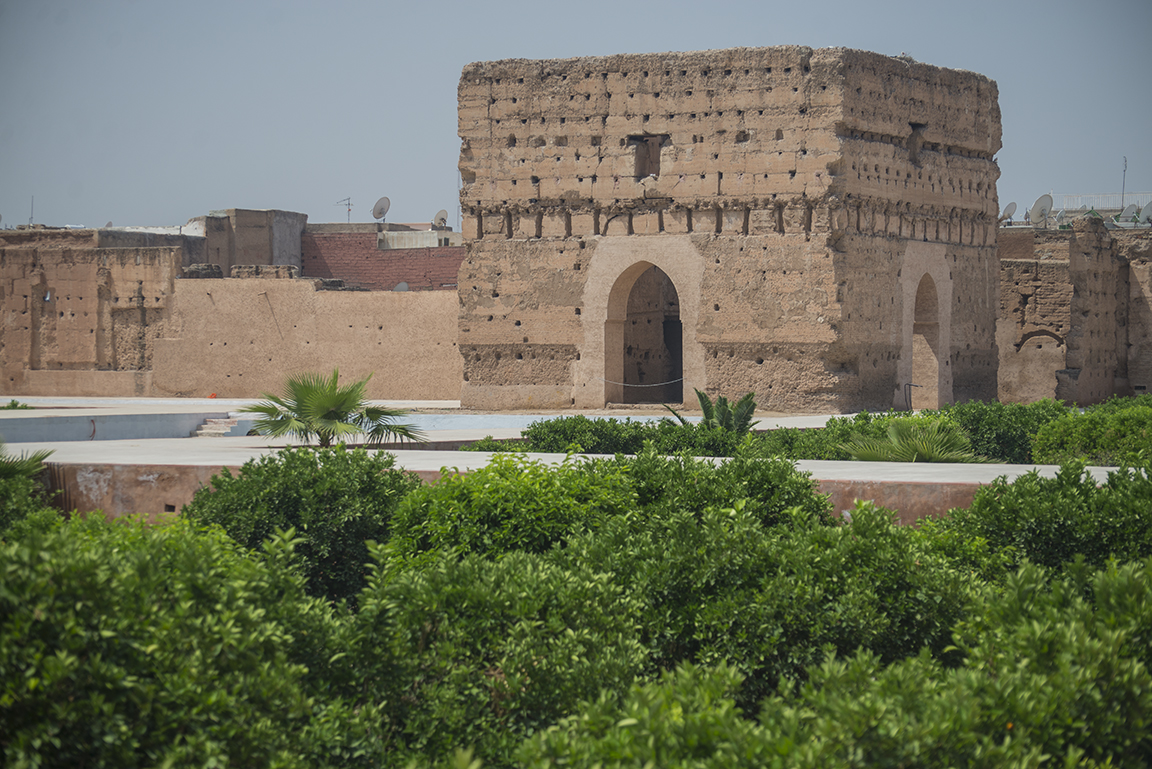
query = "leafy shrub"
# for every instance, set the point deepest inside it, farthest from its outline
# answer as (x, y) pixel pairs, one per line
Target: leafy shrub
(486, 653)
(1045, 673)
(20, 497)
(127, 646)
(1110, 436)
(586, 436)
(488, 443)
(767, 487)
(1004, 431)
(21, 492)
(513, 503)
(336, 500)
(720, 587)
(1052, 521)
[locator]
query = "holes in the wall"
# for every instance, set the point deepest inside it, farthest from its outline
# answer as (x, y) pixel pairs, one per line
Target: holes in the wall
(741, 137)
(596, 140)
(716, 308)
(560, 141)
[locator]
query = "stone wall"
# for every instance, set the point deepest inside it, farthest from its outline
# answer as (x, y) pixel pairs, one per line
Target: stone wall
(82, 320)
(793, 200)
(79, 320)
(1074, 320)
(239, 338)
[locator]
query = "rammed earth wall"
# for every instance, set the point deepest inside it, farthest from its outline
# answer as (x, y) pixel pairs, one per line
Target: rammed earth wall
(817, 226)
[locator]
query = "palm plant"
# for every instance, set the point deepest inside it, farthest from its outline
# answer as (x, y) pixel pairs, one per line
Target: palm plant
(24, 466)
(909, 441)
(315, 406)
(722, 415)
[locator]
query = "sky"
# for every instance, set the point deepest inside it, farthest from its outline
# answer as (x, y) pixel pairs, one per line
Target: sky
(152, 112)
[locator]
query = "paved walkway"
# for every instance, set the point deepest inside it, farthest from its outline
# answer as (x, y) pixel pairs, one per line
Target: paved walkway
(191, 461)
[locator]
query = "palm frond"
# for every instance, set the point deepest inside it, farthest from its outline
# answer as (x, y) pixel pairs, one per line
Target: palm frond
(24, 466)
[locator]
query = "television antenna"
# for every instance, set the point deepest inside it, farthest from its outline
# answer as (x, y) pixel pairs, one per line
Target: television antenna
(1040, 210)
(346, 202)
(380, 210)
(441, 218)
(1008, 211)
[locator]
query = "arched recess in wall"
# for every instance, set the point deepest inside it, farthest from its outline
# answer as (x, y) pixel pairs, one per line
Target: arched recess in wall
(926, 346)
(1028, 373)
(643, 338)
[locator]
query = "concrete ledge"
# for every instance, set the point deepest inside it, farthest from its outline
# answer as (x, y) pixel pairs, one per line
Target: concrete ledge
(122, 489)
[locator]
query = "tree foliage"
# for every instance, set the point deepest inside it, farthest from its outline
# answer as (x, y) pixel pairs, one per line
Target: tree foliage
(336, 500)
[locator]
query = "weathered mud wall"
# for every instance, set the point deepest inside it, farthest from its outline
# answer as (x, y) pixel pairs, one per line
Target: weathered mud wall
(82, 320)
(795, 199)
(1074, 319)
(79, 320)
(239, 338)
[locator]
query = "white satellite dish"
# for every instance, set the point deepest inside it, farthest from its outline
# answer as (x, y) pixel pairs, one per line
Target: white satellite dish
(1128, 212)
(1008, 211)
(1038, 214)
(1145, 214)
(441, 218)
(1060, 217)
(108, 225)
(380, 210)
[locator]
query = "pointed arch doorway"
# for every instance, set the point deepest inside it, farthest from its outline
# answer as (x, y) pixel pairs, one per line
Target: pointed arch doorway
(644, 338)
(926, 346)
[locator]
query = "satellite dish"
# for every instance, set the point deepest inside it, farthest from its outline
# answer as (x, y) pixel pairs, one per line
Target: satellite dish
(1145, 214)
(1008, 211)
(1060, 217)
(381, 208)
(108, 225)
(441, 218)
(1128, 212)
(1040, 210)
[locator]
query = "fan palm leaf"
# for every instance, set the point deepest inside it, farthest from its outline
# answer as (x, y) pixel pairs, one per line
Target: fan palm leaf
(316, 406)
(938, 441)
(24, 466)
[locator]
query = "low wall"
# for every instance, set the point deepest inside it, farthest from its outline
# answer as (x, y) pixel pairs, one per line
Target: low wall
(124, 489)
(239, 338)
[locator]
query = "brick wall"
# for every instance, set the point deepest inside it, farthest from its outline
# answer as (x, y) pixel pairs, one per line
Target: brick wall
(354, 258)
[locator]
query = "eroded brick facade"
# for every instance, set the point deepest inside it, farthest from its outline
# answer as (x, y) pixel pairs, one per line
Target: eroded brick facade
(817, 226)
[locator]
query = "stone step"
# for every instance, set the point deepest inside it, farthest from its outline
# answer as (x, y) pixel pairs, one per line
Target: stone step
(215, 427)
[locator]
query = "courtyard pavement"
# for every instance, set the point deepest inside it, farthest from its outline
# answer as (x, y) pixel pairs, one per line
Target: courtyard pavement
(443, 421)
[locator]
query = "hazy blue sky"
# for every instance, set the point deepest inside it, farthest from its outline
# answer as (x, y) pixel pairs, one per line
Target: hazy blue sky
(152, 112)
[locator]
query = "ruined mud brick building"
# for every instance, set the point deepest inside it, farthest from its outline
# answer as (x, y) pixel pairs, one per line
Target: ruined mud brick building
(816, 226)
(123, 312)
(1075, 321)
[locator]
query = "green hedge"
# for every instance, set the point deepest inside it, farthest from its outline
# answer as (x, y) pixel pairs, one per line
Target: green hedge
(1047, 678)
(511, 504)
(478, 653)
(1051, 521)
(336, 500)
(126, 646)
(1108, 437)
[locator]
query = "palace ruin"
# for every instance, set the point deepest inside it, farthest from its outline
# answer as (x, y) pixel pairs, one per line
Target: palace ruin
(816, 226)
